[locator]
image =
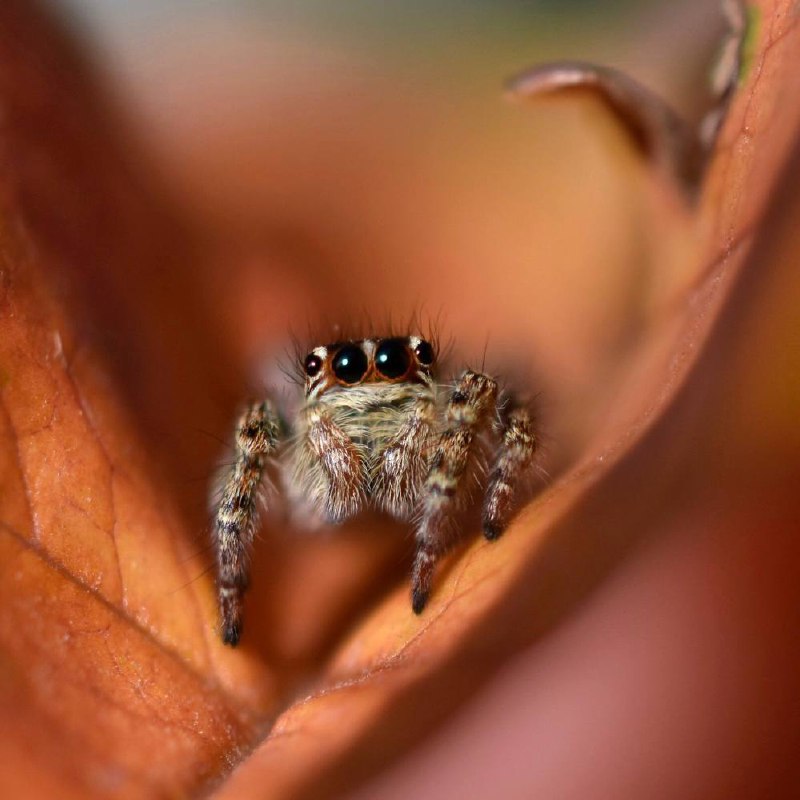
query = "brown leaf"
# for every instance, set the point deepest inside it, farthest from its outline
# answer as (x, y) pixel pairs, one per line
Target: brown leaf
(108, 650)
(126, 329)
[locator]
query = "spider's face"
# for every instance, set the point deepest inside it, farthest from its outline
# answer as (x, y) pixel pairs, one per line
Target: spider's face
(407, 359)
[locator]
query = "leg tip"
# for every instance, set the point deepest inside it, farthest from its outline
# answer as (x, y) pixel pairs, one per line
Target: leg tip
(492, 530)
(418, 601)
(230, 612)
(230, 634)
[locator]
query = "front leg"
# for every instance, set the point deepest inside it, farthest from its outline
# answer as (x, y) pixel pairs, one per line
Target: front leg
(403, 464)
(515, 456)
(473, 399)
(342, 466)
(257, 434)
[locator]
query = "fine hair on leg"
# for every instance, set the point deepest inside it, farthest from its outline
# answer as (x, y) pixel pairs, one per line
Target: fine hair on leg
(471, 404)
(257, 433)
(518, 445)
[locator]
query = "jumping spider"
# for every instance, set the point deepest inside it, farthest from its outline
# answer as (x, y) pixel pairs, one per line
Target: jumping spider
(375, 430)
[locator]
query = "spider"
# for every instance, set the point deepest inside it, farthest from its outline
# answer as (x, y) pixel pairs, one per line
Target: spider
(375, 430)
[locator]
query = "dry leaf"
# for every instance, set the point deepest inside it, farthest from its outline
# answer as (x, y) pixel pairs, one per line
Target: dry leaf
(126, 324)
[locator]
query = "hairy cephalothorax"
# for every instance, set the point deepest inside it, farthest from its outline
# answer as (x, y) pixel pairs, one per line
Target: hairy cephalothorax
(375, 430)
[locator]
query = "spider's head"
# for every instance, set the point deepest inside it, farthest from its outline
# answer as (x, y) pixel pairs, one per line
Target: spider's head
(395, 359)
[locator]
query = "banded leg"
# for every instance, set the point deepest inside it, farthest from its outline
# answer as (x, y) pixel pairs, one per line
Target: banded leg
(472, 401)
(517, 449)
(257, 434)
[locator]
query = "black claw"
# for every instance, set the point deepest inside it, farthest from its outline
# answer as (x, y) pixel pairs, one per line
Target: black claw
(492, 530)
(418, 600)
(231, 634)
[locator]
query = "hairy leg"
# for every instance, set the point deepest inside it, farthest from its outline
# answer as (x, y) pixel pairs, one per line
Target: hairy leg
(257, 434)
(473, 399)
(342, 466)
(403, 463)
(515, 456)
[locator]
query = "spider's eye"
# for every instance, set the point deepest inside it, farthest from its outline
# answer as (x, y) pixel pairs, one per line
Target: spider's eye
(350, 364)
(312, 364)
(425, 353)
(391, 358)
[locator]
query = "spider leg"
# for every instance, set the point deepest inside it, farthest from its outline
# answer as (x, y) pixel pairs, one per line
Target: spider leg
(257, 434)
(473, 399)
(342, 464)
(517, 449)
(403, 464)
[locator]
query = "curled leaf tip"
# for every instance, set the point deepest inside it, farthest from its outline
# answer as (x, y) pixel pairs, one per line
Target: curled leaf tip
(668, 142)
(661, 135)
(731, 65)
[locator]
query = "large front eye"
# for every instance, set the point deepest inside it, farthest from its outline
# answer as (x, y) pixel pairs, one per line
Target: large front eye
(350, 364)
(392, 359)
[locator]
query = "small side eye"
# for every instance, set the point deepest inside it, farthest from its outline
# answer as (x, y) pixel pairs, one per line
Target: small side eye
(425, 354)
(312, 364)
(391, 358)
(350, 364)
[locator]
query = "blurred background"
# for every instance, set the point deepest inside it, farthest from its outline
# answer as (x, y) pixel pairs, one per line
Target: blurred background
(359, 157)
(336, 161)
